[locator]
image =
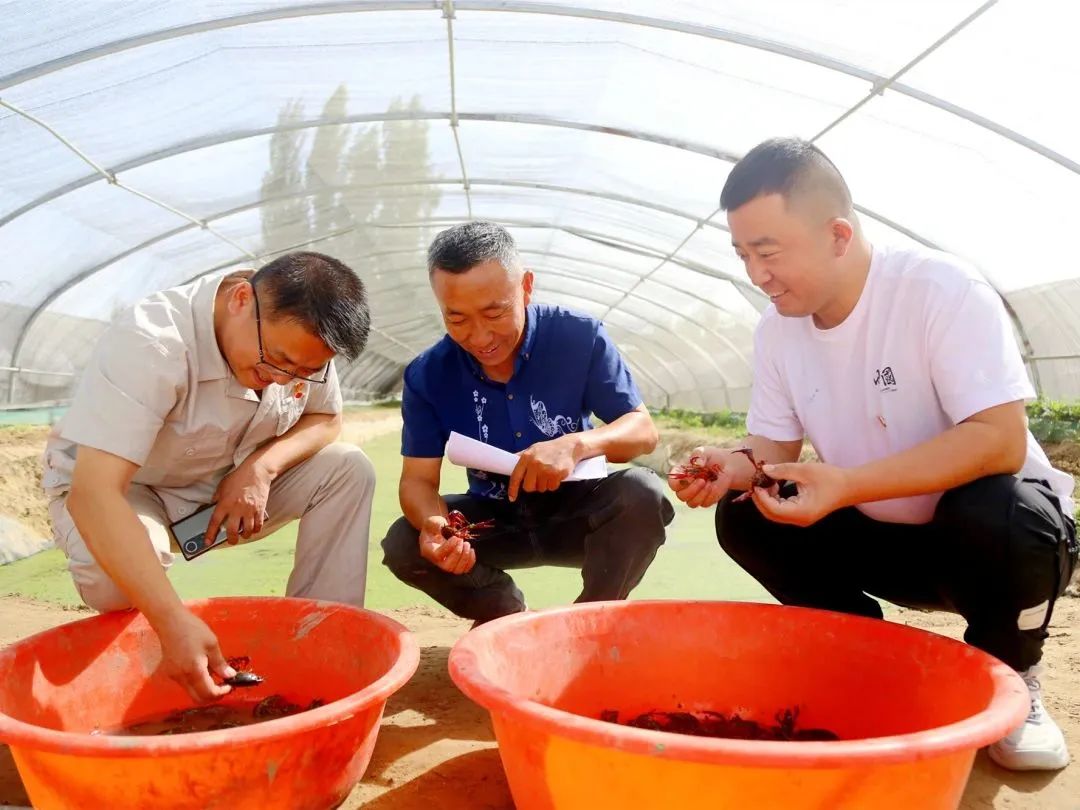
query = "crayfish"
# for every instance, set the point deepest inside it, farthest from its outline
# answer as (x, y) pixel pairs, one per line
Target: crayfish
(717, 724)
(760, 477)
(277, 706)
(695, 470)
(459, 526)
(244, 676)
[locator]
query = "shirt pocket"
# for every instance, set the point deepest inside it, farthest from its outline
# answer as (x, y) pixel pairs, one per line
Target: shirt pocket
(180, 458)
(206, 443)
(290, 409)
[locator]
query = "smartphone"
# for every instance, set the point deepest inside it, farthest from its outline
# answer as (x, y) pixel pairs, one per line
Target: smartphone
(190, 533)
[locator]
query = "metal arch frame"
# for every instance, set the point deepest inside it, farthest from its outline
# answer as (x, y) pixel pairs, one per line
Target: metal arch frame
(405, 115)
(616, 243)
(879, 88)
(649, 341)
(628, 338)
(876, 90)
(644, 371)
(649, 353)
(201, 143)
(663, 307)
(629, 291)
(605, 265)
(585, 234)
(690, 293)
(448, 15)
(524, 7)
(748, 291)
(205, 143)
(409, 286)
(725, 383)
(548, 272)
(391, 338)
(568, 257)
(700, 351)
(880, 83)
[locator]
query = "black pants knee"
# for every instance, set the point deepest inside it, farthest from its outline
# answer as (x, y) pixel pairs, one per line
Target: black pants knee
(610, 529)
(998, 551)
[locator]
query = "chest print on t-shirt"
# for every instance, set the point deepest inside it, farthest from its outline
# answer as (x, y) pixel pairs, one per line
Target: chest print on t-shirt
(884, 379)
(479, 403)
(548, 426)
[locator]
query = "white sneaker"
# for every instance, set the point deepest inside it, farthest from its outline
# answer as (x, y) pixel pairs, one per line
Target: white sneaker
(1037, 744)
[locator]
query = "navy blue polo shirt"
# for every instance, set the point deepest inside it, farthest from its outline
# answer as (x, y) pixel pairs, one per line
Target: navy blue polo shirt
(567, 368)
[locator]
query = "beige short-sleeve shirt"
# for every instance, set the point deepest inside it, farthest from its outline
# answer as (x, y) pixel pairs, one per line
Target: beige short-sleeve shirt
(158, 392)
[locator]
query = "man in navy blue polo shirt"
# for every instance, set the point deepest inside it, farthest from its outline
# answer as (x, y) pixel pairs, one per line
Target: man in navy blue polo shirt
(524, 378)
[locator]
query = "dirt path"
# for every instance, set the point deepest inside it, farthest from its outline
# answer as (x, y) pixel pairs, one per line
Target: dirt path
(436, 748)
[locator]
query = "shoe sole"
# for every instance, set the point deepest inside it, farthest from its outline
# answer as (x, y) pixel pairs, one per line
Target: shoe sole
(1053, 760)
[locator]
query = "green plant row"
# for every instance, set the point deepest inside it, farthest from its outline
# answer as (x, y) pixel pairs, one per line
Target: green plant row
(1050, 421)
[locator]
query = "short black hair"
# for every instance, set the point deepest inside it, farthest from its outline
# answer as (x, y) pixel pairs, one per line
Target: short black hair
(462, 247)
(321, 293)
(783, 166)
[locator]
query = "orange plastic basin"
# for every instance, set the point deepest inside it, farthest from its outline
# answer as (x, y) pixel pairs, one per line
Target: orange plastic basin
(911, 707)
(103, 672)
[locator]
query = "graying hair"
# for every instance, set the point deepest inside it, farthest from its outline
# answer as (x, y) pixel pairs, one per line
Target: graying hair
(462, 247)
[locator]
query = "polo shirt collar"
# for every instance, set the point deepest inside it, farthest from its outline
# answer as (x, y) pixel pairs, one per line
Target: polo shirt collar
(212, 365)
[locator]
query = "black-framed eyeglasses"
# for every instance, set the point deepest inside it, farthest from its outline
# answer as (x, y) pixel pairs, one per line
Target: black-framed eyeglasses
(270, 367)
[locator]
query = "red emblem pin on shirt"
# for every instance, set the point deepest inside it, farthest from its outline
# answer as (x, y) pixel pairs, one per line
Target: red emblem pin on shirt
(298, 390)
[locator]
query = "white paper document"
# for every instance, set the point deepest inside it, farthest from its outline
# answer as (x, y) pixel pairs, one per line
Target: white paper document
(466, 452)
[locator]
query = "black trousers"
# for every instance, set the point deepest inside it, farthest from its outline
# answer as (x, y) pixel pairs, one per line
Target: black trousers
(610, 529)
(996, 550)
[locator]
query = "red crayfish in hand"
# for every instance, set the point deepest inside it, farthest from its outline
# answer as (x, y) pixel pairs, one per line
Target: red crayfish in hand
(760, 477)
(458, 526)
(694, 470)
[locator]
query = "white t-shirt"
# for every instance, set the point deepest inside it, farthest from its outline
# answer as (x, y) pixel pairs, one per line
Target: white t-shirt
(928, 344)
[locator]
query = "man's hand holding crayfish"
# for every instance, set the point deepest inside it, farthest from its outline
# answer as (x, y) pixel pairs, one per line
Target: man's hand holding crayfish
(711, 472)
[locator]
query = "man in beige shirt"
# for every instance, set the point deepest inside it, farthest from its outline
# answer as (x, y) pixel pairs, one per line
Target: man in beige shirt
(221, 391)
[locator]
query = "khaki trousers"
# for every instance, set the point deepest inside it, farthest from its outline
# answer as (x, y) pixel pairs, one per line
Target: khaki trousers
(330, 493)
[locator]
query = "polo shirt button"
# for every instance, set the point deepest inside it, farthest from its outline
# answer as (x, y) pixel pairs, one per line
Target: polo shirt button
(518, 434)
(509, 396)
(182, 510)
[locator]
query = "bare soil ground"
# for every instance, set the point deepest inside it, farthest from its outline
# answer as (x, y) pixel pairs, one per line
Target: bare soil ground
(20, 477)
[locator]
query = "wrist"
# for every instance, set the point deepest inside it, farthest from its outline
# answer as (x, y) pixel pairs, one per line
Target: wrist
(579, 448)
(167, 616)
(264, 466)
(738, 465)
(850, 485)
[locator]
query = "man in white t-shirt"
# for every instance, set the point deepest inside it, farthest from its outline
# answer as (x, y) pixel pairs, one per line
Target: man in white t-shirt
(900, 366)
